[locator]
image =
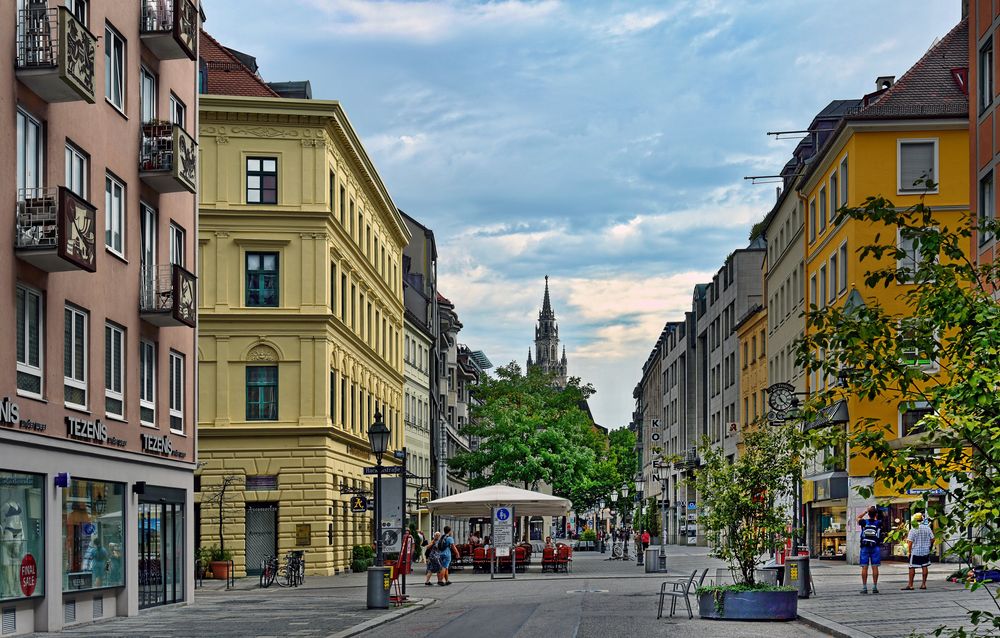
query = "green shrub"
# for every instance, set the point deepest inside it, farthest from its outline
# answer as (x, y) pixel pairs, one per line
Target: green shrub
(362, 552)
(588, 535)
(360, 565)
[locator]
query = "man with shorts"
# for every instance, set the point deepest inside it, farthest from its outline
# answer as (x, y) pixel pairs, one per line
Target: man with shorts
(919, 543)
(871, 547)
(448, 551)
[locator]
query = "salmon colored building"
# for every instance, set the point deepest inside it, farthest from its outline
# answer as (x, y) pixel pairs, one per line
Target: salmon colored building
(97, 401)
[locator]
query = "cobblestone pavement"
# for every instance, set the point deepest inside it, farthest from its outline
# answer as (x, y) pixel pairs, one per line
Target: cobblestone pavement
(599, 598)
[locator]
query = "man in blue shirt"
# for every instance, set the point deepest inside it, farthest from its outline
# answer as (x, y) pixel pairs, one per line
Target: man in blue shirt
(871, 547)
(448, 551)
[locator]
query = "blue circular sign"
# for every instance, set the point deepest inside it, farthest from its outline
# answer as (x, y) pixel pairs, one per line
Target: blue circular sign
(503, 514)
(89, 528)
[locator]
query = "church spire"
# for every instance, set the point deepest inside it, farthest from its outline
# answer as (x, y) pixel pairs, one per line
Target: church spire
(547, 342)
(546, 312)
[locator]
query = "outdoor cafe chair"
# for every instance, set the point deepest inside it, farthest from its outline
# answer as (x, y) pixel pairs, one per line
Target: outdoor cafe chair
(564, 557)
(548, 559)
(522, 559)
(479, 561)
(681, 588)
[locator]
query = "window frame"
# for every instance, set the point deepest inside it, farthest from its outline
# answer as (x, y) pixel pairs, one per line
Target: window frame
(24, 123)
(75, 156)
(178, 244)
(834, 187)
(115, 53)
(913, 141)
(984, 203)
(842, 259)
(260, 174)
(812, 220)
(986, 70)
(844, 181)
(115, 332)
(177, 106)
(272, 414)
(74, 382)
(147, 77)
(26, 367)
(921, 407)
(927, 365)
(822, 209)
(147, 358)
(110, 182)
(834, 273)
(176, 406)
(261, 273)
(823, 285)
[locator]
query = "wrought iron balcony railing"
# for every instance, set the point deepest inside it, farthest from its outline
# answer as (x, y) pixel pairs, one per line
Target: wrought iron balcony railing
(55, 54)
(54, 230)
(169, 28)
(167, 295)
(168, 158)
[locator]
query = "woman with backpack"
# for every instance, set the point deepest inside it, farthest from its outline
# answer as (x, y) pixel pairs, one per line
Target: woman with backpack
(433, 559)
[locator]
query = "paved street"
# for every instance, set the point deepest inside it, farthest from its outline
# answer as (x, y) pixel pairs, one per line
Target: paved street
(599, 598)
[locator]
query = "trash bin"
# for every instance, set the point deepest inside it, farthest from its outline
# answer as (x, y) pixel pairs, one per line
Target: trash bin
(797, 574)
(655, 562)
(771, 574)
(379, 580)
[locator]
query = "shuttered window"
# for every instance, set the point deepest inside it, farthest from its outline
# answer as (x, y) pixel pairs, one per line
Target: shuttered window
(917, 164)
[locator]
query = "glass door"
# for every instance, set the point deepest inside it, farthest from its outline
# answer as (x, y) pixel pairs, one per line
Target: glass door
(161, 553)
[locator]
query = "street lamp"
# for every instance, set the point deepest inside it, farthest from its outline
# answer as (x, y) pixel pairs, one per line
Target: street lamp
(378, 438)
(640, 482)
(600, 525)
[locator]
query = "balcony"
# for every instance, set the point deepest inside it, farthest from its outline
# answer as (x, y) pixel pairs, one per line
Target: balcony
(55, 230)
(55, 55)
(167, 296)
(167, 158)
(169, 28)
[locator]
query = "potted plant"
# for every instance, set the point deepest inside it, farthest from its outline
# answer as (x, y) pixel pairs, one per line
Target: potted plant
(219, 561)
(743, 517)
(202, 558)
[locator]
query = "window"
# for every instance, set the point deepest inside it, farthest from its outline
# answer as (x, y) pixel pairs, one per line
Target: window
(114, 215)
(176, 391)
(114, 370)
(910, 415)
(343, 298)
(917, 165)
(262, 180)
(148, 223)
(178, 112)
(147, 95)
(114, 68)
(834, 192)
(93, 523)
(262, 280)
(843, 182)
(987, 205)
(812, 290)
(30, 153)
(147, 383)
(343, 195)
(917, 344)
(23, 497)
(177, 245)
(822, 209)
(75, 357)
(911, 258)
(76, 171)
(986, 76)
(812, 220)
(79, 9)
(30, 341)
(822, 286)
(843, 268)
(262, 393)
(834, 272)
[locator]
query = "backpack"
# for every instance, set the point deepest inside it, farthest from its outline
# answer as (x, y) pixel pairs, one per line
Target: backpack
(871, 533)
(442, 544)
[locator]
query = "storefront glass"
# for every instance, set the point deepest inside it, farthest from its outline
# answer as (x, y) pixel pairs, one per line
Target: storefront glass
(22, 535)
(93, 535)
(831, 525)
(161, 553)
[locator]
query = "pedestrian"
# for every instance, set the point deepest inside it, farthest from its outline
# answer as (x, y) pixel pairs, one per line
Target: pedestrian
(645, 539)
(919, 542)
(446, 544)
(433, 560)
(871, 547)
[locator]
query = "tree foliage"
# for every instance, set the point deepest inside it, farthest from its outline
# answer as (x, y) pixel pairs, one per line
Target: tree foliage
(951, 317)
(740, 499)
(526, 431)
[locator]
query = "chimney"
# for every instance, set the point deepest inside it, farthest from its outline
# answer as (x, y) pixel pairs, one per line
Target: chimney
(777, 192)
(884, 82)
(965, 9)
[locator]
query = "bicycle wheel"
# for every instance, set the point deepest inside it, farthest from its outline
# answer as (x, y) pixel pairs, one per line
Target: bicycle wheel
(301, 571)
(265, 569)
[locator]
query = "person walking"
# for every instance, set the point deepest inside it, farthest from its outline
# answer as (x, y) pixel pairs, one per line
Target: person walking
(919, 542)
(448, 552)
(871, 547)
(645, 539)
(433, 555)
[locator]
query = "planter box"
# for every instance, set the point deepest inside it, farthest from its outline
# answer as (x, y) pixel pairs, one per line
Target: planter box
(750, 605)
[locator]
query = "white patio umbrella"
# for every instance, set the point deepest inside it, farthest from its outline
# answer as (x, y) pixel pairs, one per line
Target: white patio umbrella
(480, 502)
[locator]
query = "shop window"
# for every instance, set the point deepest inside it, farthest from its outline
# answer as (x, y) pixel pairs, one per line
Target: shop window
(93, 535)
(262, 393)
(22, 535)
(262, 280)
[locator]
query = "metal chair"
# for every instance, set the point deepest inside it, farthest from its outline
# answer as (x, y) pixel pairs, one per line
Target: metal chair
(681, 588)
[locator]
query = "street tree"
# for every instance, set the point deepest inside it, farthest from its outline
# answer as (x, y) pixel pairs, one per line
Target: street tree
(950, 319)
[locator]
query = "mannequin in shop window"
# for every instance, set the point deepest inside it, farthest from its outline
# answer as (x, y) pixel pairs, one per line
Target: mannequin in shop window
(11, 549)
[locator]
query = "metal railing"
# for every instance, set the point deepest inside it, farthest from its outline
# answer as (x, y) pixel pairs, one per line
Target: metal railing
(156, 16)
(156, 290)
(157, 150)
(37, 218)
(37, 37)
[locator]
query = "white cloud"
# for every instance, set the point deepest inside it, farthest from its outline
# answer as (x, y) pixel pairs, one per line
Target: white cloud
(635, 22)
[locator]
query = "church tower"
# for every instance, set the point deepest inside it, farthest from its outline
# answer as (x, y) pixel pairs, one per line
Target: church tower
(547, 342)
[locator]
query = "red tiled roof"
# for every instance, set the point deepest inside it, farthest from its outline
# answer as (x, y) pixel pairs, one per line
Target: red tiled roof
(226, 74)
(442, 299)
(931, 87)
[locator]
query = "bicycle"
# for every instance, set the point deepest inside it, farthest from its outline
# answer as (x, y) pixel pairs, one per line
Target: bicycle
(268, 571)
(291, 574)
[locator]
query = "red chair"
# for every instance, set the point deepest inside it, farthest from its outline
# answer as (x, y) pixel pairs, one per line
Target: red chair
(521, 556)
(549, 559)
(480, 563)
(564, 557)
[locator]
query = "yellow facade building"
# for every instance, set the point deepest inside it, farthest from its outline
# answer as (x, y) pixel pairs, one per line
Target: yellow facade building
(915, 129)
(751, 330)
(301, 327)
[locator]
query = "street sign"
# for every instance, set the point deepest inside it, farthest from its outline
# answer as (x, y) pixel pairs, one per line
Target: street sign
(423, 496)
(390, 492)
(503, 529)
(359, 504)
(386, 470)
(692, 505)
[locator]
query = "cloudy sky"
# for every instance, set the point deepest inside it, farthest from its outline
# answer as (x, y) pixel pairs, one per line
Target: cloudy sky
(601, 143)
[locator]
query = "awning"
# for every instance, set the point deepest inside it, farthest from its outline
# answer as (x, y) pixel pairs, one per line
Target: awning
(830, 415)
(481, 502)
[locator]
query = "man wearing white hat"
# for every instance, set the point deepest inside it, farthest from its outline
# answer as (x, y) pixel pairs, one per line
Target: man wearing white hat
(919, 543)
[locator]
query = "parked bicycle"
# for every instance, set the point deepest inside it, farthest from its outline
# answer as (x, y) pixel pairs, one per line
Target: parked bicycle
(291, 574)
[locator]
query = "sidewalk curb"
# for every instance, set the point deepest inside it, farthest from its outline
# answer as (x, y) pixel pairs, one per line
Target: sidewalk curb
(830, 627)
(415, 605)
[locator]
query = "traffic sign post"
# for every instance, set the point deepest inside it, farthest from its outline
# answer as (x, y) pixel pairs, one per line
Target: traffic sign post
(503, 537)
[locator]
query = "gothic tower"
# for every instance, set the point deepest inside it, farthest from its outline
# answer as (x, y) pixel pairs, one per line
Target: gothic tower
(547, 342)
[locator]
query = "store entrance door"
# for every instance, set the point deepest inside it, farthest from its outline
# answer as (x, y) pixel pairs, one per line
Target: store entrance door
(161, 549)
(261, 535)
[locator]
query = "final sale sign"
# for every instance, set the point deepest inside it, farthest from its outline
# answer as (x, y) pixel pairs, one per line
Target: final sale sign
(29, 575)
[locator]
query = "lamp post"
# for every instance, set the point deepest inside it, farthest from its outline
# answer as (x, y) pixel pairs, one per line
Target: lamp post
(600, 525)
(640, 482)
(378, 438)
